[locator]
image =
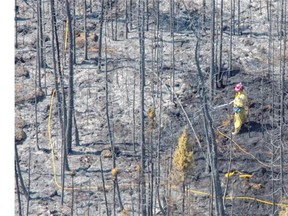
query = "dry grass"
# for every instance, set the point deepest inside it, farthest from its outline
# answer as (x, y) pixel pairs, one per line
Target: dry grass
(125, 212)
(138, 168)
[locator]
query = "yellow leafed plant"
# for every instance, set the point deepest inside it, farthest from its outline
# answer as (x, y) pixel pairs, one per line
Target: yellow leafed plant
(183, 156)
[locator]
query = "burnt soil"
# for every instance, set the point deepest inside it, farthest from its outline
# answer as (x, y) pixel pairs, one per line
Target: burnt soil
(250, 152)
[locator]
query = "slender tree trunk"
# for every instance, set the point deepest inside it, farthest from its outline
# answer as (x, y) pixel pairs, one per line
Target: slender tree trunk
(116, 20)
(282, 90)
(85, 31)
(18, 190)
(269, 15)
(126, 19)
(250, 18)
(231, 39)
(77, 139)
(212, 63)
(130, 15)
(173, 47)
(60, 100)
(70, 109)
(24, 189)
(158, 178)
(100, 35)
(183, 197)
(72, 198)
(36, 106)
(29, 180)
(115, 182)
(40, 35)
(212, 144)
(112, 20)
(103, 185)
(239, 17)
(142, 99)
(16, 25)
(219, 79)
(146, 14)
(74, 31)
(203, 13)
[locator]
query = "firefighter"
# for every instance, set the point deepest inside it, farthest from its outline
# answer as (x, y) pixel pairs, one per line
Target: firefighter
(239, 107)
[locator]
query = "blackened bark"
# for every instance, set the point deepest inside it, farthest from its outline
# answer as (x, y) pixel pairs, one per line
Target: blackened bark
(212, 144)
(100, 35)
(70, 109)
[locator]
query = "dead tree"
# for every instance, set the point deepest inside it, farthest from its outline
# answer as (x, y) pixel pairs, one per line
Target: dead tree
(220, 73)
(74, 31)
(103, 185)
(85, 31)
(283, 48)
(211, 144)
(59, 91)
(111, 141)
(19, 175)
(212, 63)
(116, 20)
(15, 19)
(142, 100)
(18, 190)
(173, 47)
(101, 35)
(36, 88)
(238, 17)
(40, 38)
(70, 105)
(29, 181)
(126, 19)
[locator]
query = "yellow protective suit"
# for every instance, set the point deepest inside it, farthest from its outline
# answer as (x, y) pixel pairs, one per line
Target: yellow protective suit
(240, 110)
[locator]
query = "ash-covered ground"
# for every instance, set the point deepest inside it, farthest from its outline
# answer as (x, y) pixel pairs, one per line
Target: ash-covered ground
(250, 152)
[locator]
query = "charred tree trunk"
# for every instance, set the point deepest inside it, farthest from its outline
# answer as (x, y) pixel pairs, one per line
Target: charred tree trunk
(283, 43)
(126, 19)
(16, 25)
(74, 31)
(142, 99)
(19, 174)
(212, 148)
(85, 31)
(130, 14)
(61, 105)
(18, 190)
(173, 47)
(29, 181)
(212, 63)
(36, 106)
(220, 73)
(70, 109)
(100, 35)
(116, 21)
(115, 182)
(103, 185)
(239, 17)
(40, 37)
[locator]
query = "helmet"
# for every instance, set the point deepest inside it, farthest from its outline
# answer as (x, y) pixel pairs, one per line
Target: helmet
(239, 87)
